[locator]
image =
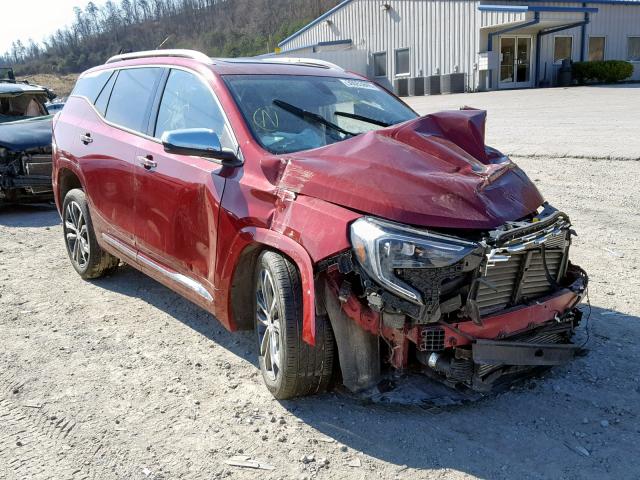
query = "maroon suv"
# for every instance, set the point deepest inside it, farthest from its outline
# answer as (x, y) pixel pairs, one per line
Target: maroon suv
(305, 202)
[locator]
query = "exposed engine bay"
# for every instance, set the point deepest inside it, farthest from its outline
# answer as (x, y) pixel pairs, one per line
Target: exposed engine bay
(470, 309)
(25, 175)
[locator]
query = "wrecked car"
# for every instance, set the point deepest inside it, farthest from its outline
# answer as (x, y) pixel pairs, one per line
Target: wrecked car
(311, 205)
(25, 142)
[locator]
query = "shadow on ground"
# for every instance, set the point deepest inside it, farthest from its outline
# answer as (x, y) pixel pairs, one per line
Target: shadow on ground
(530, 428)
(132, 283)
(34, 215)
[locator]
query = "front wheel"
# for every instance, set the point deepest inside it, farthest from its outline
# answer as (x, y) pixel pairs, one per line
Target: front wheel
(86, 256)
(290, 367)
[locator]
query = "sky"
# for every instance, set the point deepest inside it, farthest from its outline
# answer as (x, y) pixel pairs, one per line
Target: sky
(37, 19)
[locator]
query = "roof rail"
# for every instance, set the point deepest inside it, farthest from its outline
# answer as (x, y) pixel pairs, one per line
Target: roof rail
(182, 53)
(303, 61)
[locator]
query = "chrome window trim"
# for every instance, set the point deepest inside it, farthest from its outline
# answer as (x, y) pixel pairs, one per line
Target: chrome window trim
(227, 123)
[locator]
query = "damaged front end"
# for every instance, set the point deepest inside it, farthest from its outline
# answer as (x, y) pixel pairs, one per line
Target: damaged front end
(25, 143)
(471, 310)
(25, 176)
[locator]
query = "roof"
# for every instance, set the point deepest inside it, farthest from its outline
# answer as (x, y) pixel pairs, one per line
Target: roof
(225, 66)
(277, 65)
(519, 3)
(534, 8)
(20, 88)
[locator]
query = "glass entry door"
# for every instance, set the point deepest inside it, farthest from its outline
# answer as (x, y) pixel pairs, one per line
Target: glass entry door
(515, 62)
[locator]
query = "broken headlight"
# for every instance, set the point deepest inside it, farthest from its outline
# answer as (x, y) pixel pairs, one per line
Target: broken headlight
(383, 247)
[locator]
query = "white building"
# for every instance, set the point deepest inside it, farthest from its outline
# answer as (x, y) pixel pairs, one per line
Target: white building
(469, 44)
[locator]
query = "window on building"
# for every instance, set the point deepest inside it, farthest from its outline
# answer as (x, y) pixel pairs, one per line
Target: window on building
(562, 49)
(402, 62)
(633, 49)
(596, 49)
(380, 64)
(131, 96)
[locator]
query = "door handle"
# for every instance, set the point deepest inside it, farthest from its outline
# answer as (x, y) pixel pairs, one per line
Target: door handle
(86, 138)
(147, 162)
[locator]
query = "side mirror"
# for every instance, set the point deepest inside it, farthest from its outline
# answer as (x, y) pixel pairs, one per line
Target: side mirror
(200, 142)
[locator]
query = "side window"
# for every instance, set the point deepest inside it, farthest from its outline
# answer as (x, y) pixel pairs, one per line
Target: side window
(129, 103)
(402, 62)
(562, 47)
(633, 49)
(103, 96)
(90, 85)
(596, 48)
(188, 103)
(380, 64)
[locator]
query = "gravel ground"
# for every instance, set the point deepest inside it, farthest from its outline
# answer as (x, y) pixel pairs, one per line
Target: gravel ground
(603, 121)
(121, 378)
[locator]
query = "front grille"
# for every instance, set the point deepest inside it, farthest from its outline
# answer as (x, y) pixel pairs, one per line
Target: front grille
(523, 276)
(549, 337)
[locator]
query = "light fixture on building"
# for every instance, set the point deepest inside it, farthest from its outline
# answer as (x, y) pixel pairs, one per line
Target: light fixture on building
(385, 7)
(328, 22)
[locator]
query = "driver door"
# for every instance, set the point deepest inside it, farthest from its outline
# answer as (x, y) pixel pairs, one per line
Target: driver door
(177, 197)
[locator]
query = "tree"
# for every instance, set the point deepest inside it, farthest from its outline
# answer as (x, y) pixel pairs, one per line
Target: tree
(217, 27)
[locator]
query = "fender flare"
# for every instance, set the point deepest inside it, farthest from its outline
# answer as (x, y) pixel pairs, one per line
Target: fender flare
(302, 260)
(63, 163)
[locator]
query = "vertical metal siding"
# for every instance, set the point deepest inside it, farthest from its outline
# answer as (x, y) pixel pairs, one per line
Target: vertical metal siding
(445, 34)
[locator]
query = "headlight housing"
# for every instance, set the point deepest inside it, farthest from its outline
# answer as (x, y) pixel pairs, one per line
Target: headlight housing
(381, 247)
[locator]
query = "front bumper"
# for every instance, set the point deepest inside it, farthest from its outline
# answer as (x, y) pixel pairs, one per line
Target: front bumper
(518, 319)
(477, 355)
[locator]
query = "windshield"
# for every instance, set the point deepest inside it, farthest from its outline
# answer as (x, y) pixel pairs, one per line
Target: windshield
(292, 113)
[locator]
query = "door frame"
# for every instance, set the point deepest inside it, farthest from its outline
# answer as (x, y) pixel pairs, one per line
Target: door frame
(515, 84)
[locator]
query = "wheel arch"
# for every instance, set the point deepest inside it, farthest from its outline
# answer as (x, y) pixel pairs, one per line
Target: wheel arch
(239, 304)
(67, 179)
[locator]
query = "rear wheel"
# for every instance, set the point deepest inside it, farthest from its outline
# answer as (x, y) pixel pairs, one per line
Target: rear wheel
(86, 256)
(290, 367)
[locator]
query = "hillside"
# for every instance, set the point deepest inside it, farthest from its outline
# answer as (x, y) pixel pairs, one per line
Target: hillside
(60, 84)
(227, 28)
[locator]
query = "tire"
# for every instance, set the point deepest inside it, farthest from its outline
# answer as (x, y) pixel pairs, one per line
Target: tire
(300, 369)
(86, 256)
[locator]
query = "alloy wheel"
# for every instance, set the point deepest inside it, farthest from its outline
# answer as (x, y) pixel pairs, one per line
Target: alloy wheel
(268, 311)
(76, 234)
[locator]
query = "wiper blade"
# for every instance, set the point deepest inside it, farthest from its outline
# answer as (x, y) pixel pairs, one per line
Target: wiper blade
(310, 116)
(355, 116)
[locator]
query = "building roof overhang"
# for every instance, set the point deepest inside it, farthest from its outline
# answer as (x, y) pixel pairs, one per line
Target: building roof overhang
(535, 8)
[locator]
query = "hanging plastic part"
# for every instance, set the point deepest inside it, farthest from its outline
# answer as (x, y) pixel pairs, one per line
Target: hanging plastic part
(341, 262)
(345, 291)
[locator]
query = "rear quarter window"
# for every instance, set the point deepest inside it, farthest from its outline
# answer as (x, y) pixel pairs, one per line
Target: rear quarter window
(105, 94)
(91, 84)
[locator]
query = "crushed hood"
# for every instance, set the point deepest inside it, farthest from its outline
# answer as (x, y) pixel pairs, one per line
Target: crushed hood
(434, 171)
(26, 134)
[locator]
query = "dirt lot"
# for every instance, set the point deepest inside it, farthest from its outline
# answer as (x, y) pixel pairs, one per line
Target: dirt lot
(602, 121)
(121, 378)
(60, 84)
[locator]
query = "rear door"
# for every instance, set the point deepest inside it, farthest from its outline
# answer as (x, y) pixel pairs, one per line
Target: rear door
(177, 197)
(111, 136)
